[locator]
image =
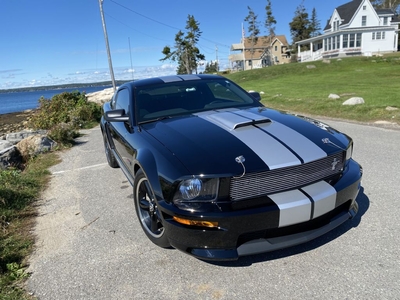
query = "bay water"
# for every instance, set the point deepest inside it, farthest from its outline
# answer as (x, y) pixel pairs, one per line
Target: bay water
(20, 101)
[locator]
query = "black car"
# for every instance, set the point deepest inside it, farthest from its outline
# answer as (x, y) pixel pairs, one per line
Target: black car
(218, 175)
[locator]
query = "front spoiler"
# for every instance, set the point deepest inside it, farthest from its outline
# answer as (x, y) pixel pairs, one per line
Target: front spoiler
(271, 244)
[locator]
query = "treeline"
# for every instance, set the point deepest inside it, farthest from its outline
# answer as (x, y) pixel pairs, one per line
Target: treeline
(63, 86)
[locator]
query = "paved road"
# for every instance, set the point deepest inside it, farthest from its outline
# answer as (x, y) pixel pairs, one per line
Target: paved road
(90, 244)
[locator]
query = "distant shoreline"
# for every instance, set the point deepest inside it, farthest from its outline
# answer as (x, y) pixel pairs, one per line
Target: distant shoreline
(62, 86)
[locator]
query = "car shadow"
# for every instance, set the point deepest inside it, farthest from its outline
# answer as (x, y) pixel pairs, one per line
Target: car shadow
(245, 261)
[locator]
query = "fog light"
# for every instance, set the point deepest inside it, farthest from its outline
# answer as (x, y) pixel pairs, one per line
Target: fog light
(201, 223)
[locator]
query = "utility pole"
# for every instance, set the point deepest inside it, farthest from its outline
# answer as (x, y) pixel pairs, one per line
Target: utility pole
(107, 45)
(216, 54)
(130, 55)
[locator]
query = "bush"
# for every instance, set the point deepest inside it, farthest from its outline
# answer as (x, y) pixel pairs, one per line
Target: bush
(72, 109)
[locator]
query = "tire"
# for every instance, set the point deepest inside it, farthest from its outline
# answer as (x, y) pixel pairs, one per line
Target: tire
(146, 210)
(112, 162)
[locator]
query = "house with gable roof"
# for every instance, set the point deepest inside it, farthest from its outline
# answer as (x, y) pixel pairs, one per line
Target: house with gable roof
(355, 28)
(267, 51)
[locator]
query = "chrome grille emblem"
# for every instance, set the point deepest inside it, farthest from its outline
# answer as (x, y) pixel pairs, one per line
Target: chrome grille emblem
(334, 163)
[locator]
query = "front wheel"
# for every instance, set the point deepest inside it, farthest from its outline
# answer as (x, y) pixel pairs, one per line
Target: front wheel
(147, 212)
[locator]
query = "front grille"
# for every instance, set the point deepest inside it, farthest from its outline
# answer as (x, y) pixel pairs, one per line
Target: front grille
(269, 182)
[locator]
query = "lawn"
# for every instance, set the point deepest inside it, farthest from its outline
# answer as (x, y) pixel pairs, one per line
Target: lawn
(305, 87)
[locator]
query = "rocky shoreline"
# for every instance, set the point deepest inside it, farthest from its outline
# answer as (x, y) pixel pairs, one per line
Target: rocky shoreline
(18, 121)
(13, 122)
(19, 142)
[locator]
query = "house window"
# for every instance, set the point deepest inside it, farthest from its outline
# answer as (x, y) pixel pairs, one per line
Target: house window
(345, 40)
(380, 35)
(250, 62)
(364, 21)
(352, 37)
(358, 40)
(338, 42)
(364, 7)
(276, 48)
(385, 20)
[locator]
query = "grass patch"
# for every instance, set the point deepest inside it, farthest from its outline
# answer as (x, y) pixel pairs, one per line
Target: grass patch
(18, 190)
(305, 87)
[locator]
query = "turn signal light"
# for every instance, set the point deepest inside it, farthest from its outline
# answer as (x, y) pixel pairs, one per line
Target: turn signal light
(201, 223)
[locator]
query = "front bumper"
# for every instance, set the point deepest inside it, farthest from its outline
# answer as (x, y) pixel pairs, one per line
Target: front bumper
(256, 230)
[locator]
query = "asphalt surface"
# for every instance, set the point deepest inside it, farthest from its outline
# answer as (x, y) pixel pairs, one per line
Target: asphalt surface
(90, 244)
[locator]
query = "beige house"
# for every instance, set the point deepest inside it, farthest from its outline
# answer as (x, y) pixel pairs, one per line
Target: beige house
(266, 52)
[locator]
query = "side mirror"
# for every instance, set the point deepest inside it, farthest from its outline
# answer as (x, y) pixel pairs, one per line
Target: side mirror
(116, 115)
(255, 95)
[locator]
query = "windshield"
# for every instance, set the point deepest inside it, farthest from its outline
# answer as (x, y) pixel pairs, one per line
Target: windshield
(186, 97)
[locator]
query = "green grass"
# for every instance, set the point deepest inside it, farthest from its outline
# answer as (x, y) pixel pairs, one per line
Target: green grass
(18, 191)
(298, 88)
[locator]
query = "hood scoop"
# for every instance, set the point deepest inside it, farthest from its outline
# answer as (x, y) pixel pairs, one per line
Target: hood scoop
(232, 120)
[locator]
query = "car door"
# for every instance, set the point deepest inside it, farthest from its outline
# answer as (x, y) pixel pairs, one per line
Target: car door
(120, 131)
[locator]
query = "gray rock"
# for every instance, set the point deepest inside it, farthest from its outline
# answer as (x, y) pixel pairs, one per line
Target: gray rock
(391, 108)
(354, 101)
(4, 145)
(10, 157)
(326, 61)
(311, 66)
(16, 137)
(334, 96)
(34, 145)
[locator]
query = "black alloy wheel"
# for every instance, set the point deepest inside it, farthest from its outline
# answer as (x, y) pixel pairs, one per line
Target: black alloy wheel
(146, 210)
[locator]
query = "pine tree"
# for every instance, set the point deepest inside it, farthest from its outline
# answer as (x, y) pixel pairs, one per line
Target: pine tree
(253, 29)
(270, 21)
(315, 25)
(185, 51)
(300, 25)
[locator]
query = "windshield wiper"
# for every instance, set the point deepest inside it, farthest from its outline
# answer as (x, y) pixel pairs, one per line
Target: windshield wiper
(155, 120)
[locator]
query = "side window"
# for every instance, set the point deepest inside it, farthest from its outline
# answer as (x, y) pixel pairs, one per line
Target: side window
(122, 100)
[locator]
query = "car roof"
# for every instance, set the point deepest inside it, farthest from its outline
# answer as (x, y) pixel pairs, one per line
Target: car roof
(170, 78)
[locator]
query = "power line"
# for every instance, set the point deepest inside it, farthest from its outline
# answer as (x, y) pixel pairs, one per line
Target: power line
(164, 24)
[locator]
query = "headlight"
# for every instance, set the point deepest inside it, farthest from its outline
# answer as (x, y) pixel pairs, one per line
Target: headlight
(349, 151)
(195, 190)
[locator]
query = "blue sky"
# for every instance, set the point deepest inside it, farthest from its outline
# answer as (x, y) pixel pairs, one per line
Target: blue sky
(47, 42)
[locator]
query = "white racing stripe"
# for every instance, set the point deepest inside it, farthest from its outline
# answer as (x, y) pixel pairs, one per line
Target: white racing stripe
(296, 207)
(272, 152)
(303, 147)
(324, 196)
(273, 142)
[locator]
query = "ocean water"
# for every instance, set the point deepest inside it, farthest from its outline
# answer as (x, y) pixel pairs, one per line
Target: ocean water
(20, 101)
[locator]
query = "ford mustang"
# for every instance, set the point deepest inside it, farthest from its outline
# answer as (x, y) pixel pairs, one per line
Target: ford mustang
(218, 175)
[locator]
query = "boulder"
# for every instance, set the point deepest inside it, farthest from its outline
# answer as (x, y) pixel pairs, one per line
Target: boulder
(311, 66)
(334, 96)
(391, 108)
(101, 97)
(16, 137)
(34, 145)
(4, 145)
(354, 101)
(326, 61)
(10, 157)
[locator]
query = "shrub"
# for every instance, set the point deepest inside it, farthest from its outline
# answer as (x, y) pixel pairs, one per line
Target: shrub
(65, 108)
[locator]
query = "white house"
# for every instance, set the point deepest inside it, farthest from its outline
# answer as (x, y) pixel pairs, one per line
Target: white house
(355, 28)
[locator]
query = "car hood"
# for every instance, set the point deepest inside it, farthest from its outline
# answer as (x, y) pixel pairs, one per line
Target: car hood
(229, 142)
